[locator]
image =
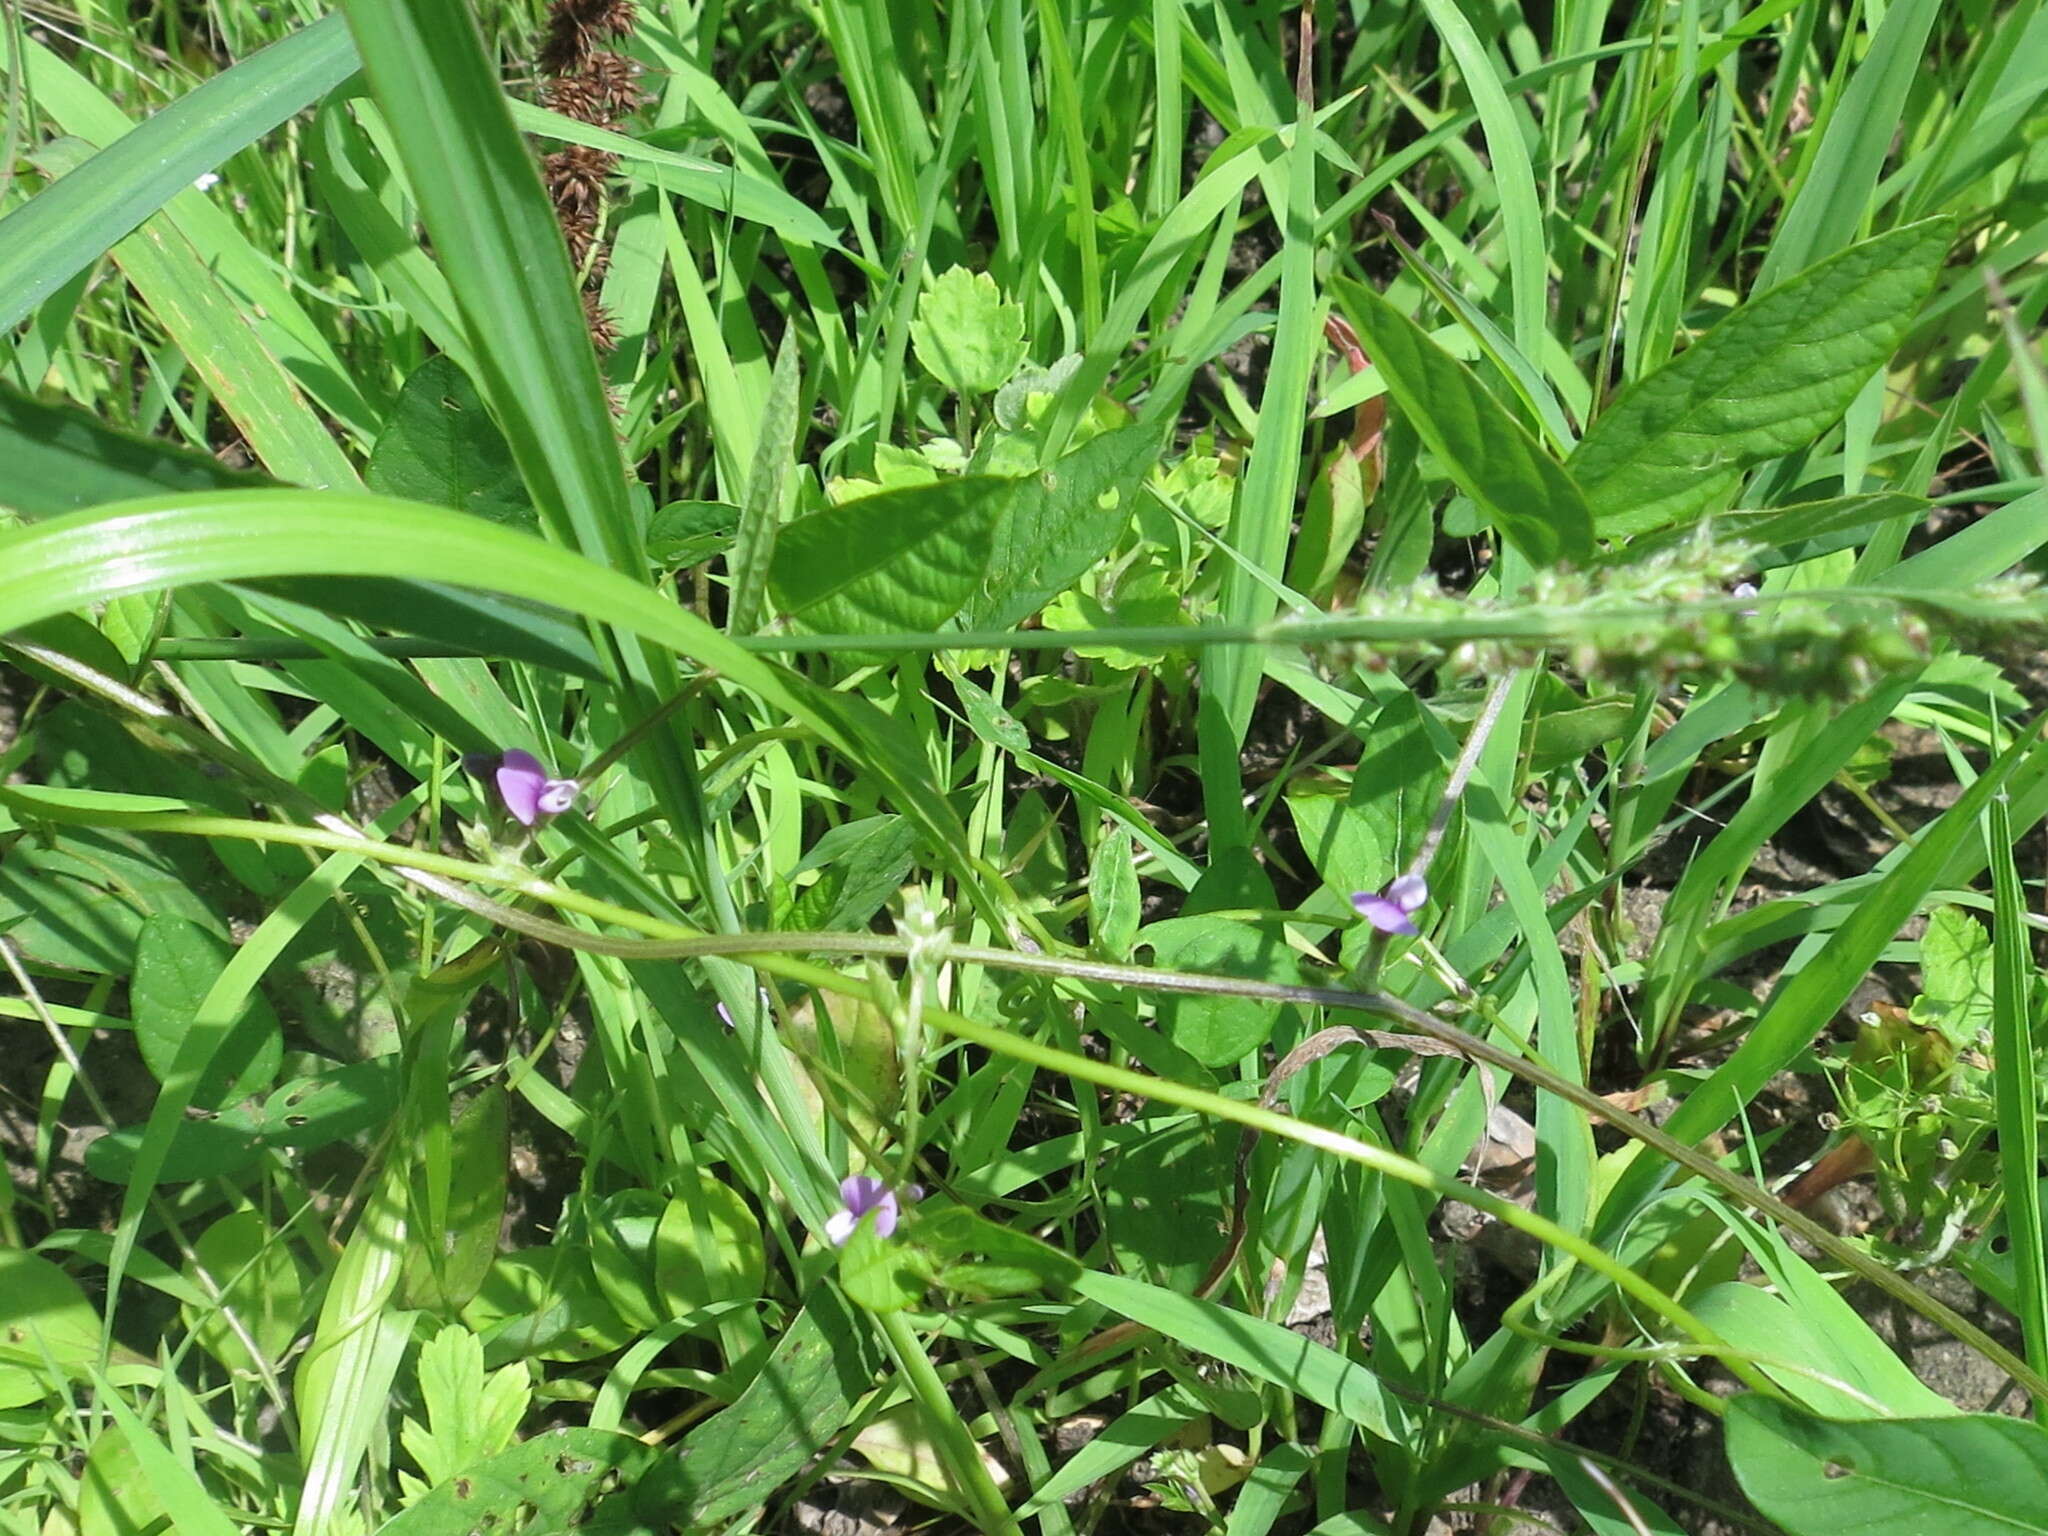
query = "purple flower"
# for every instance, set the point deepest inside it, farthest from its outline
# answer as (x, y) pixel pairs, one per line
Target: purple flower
(863, 1194)
(1388, 910)
(524, 785)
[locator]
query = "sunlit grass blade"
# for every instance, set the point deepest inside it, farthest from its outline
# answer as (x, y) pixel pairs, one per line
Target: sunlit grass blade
(1264, 514)
(2015, 1054)
(71, 222)
(1832, 203)
(498, 244)
(269, 301)
(209, 327)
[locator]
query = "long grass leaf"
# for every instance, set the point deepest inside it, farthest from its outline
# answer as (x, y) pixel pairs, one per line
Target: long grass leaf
(1834, 191)
(66, 227)
(2015, 1052)
(223, 348)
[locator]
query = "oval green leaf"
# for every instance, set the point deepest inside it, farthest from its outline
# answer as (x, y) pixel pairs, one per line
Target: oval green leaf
(1767, 380)
(1975, 1475)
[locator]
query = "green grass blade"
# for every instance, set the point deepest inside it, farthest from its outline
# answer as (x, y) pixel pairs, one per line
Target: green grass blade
(210, 328)
(61, 460)
(67, 226)
(1801, 1008)
(1264, 512)
(190, 1506)
(1833, 200)
(1513, 178)
(2015, 1047)
(495, 236)
(67, 563)
(724, 189)
(269, 302)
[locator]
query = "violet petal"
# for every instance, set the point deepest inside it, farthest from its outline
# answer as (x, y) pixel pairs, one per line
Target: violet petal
(1408, 892)
(885, 1214)
(861, 1193)
(520, 782)
(1385, 915)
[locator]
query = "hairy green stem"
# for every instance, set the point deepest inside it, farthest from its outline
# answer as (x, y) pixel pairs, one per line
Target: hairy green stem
(1532, 624)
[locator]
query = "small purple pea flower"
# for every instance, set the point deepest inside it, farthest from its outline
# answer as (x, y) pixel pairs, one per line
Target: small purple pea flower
(1389, 910)
(524, 785)
(862, 1194)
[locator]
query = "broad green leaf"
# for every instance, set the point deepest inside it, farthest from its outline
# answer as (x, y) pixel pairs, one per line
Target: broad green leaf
(1956, 976)
(900, 560)
(687, 533)
(824, 1363)
(979, 1259)
(544, 1303)
(83, 896)
(49, 1332)
(1218, 1030)
(192, 1509)
(115, 1496)
(321, 1109)
(1340, 838)
(622, 1254)
(441, 447)
(1767, 380)
(1566, 735)
(1114, 901)
(989, 720)
(176, 965)
(60, 459)
(560, 1480)
(1973, 1475)
(861, 865)
(1488, 454)
(883, 1274)
(707, 1248)
(1165, 1202)
(470, 1414)
(762, 504)
(1058, 523)
(222, 1147)
(257, 1278)
(966, 334)
(73, 221)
